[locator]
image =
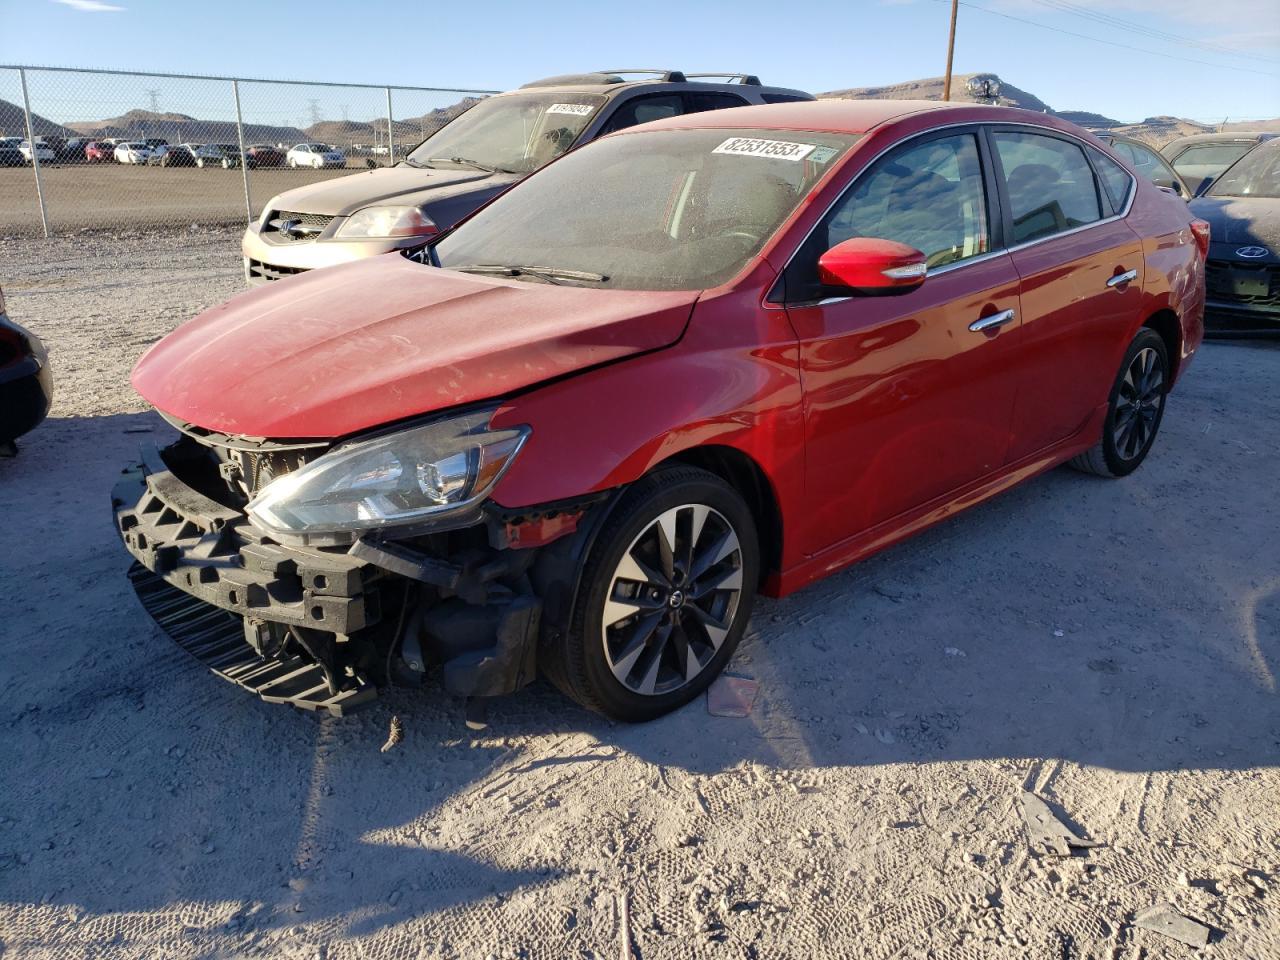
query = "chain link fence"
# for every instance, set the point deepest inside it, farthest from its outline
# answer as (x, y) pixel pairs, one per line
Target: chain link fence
(119, 150)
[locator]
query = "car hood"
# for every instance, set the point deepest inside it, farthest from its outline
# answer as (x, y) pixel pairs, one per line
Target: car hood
(1237, 222)
(335, 351)
(343, 196)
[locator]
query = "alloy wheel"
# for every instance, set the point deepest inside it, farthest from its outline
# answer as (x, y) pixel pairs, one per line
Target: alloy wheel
(1138, 404)
(672, 600)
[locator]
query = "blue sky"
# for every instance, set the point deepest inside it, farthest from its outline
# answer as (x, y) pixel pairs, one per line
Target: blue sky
(816, 45)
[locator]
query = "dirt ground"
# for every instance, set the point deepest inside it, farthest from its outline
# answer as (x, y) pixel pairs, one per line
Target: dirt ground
(112, 195)
(1112, 645)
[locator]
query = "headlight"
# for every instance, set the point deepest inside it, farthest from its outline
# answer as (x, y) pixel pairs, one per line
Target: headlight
(266, 210)
(387, 222)
(401, 478)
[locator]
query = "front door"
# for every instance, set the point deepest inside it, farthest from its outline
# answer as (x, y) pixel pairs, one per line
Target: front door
(904, 400)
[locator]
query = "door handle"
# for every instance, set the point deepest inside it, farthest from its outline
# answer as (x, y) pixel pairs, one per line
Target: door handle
(1122, 278)
(993, 321)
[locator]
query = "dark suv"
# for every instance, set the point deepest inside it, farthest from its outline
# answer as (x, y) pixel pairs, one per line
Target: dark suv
(494, 144)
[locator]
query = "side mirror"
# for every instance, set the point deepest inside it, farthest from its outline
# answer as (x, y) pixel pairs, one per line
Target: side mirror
(872, 266)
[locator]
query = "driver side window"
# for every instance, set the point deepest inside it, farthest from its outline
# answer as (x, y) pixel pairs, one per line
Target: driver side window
(928, 195)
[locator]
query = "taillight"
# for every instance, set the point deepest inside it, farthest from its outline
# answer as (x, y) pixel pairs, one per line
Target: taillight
(1200, 229)
(13, 346)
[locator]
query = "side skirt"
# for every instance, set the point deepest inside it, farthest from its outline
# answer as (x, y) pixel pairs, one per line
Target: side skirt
(886, 534)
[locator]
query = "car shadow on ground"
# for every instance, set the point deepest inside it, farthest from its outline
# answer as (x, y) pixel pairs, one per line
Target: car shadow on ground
(1111, 624)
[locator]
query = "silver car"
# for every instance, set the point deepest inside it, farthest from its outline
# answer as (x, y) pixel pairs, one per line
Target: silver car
(496, 143)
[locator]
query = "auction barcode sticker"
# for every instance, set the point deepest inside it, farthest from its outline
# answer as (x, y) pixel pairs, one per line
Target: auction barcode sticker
(576, 109)
(771, 149)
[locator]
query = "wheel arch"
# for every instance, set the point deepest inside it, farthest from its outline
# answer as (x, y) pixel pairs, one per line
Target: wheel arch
(1166, 323)
(741, 472)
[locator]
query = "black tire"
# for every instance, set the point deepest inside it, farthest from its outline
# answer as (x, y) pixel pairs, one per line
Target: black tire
(577, 662)
(1121, 451)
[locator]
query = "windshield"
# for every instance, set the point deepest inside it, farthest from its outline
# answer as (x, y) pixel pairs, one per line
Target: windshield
(1256, 174)
(661, 210)
(1210, 157)
(515, 132)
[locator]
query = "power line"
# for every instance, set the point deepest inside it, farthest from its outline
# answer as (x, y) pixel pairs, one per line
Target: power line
(1112, 43)
(1146, 30)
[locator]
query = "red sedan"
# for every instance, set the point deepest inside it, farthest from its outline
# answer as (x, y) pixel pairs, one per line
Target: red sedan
(95, 152)
(727, 352)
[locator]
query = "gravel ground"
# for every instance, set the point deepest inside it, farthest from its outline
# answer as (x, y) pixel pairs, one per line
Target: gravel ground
(108, 195)
(1111, 645)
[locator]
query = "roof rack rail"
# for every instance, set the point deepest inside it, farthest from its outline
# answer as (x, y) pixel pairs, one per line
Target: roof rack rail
(745, 79)
(670, 76)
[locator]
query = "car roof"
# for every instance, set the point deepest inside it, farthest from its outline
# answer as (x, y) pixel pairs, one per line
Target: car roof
(850, 116)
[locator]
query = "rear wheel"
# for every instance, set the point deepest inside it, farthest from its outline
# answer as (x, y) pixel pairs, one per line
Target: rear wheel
(1135, 410)
(665, 598)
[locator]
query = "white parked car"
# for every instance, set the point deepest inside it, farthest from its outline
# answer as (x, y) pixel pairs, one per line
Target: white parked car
(132, 152)
(318, 155)
(44, 153)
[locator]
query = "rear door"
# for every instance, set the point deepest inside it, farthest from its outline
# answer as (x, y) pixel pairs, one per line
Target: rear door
(1080, 267)
(904, 401)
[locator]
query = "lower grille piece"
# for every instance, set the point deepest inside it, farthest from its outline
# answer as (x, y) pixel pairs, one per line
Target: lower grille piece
(215, 637)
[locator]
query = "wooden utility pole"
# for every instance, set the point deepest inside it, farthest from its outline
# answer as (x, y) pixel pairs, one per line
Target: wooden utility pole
(951, 49)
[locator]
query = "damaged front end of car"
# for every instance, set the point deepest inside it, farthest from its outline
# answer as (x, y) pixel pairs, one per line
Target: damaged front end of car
(315, 573)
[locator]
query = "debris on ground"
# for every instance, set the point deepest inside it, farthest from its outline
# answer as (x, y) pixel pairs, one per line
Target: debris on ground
(394, 735)
(731, 696)
(954, 652)
(1167, 921)
(1045, 829)
(627, 947)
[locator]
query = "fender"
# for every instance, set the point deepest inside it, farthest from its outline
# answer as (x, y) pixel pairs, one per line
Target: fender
(1173, 278)
(733, 380)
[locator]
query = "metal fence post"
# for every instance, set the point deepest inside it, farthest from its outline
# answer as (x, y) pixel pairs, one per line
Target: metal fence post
(391, 140)
(244, 159)
(35, 158)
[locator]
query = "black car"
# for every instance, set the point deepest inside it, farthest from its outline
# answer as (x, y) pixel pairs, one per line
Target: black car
(1201, 157)
(1148, 163)
(26, 383)
(1242, 275)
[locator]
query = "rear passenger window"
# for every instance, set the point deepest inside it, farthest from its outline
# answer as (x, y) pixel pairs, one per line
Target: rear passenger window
(698, 102)
(1049, 184)
(783, 98)
(645, 109)
(1115, 179)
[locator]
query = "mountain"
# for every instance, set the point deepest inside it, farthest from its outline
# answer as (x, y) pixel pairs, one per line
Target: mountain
(181, 128)
(931, 89)
(1156, 131)
(13, 123)
(410, 129)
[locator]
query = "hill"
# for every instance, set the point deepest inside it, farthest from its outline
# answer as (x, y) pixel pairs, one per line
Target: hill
(931, 89)
(1153, 130)
(13, 123)
(181, 128)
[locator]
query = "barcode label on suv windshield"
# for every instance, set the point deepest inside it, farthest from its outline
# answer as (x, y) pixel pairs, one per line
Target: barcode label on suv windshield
(770, 149)
(576, 109)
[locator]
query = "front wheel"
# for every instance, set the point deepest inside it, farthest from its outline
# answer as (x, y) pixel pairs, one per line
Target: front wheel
(665, 597)
(200, 164)
(1134, 412)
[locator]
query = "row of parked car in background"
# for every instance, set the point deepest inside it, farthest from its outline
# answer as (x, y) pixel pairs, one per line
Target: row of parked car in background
(157, 151)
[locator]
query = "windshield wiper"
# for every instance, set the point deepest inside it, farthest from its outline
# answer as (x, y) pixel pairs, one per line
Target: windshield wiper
(549, 274)
(467, 162)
